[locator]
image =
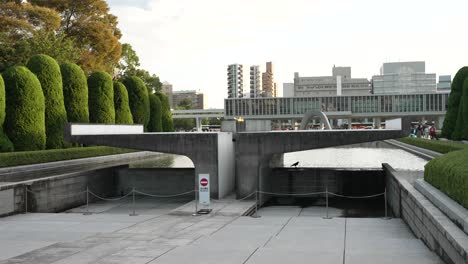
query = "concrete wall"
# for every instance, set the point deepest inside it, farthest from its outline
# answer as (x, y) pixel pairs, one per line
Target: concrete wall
(157, 181)
(427, 222)
(257, 125)
(226, 164)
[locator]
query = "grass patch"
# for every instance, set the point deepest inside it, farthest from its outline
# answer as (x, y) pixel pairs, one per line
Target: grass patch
(40, 156)
(435, 145)
(449, 173)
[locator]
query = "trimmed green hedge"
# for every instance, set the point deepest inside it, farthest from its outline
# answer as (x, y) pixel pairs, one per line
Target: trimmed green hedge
(449, 173)
(155, 123)
(101, 98)
(47, 71)
(122, 109)
(435, 145)
(166, 115)
(454, 102)
(41, 156)
(75, 92)
(5, 143)
(25, 115)
(138, 100)
(461, 127)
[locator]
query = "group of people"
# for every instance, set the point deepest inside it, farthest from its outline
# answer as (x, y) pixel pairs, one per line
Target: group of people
(424, 131)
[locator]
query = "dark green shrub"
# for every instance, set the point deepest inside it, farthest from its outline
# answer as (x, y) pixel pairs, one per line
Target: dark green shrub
(461, 127)
(34, 157)
(122, 109)
(138, 100)
(449, 173)
(434, 145)
(25, 109)
(454, 102)
(47, 71)
(5, 143)
(166, 115)
(155, 123)
(101, 98)
(75, 92)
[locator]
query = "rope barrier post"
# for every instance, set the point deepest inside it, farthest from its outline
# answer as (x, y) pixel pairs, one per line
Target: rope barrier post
(196, 204)
(26, 199)
(87, 202)
(326, 201)
(256, 206)
(385, 199)
(133, 202)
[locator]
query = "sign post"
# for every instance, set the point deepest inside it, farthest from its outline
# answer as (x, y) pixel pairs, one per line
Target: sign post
(204, 193)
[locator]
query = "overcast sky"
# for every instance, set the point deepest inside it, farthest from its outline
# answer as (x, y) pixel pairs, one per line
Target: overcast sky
(189, 43)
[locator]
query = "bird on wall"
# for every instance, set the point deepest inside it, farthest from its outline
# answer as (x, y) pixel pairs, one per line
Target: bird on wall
(295, 164)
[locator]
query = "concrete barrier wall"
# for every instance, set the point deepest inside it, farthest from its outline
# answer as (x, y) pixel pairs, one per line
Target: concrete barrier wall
(226, 166)
(164, 181)
(426, 221)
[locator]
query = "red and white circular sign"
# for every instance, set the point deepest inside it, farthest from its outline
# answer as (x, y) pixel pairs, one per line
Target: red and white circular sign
(204, 182)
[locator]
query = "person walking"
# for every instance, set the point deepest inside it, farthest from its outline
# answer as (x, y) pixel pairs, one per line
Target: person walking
(432, 133)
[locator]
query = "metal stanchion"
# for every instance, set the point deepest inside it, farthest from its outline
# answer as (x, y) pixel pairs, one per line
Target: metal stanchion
(87, 202)
(133, 202)
(326, 201)
(196, 204)
(256, 206)
(386, 210)
(26, 199)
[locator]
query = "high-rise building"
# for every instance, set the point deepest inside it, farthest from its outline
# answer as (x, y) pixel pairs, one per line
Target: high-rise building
(195, 97)
(445, 83)
(288, 89)
(255, 82)
(268, 82)
(340, 83)
(167, 90)
(235, 81)
(404, 78)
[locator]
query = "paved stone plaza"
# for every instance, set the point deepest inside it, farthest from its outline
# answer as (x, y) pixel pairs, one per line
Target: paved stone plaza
(280, 235)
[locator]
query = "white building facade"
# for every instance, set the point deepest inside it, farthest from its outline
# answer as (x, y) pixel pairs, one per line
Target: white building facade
(235, 81)
(255, 82)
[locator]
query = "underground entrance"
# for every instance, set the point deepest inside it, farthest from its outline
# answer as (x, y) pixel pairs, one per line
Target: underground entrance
(303, 191)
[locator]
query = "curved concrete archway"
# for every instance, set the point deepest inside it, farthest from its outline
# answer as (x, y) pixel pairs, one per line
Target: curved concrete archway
(311, 114)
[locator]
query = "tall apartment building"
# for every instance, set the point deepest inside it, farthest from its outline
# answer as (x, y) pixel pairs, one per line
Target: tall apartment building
(195, 97)
(404, 78)
(268, 82)
(255, 82)
(235, 81)
(340, 83)
(167, 90)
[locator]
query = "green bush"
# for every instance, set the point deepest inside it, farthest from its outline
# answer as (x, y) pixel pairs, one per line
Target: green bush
(75, 92)
(47, 71)
(138, 100)
(435, 145)
(122, 108)
(34, 157)
(449, 173)
(25, 109)
(461, 127)
(454, 102)
(5, 143)
(166, 116)
(101, 98)
(155, 123)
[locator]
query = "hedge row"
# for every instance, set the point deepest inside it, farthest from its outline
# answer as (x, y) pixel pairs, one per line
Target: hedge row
(138, 100)
(5, 143)
(75, 92)
(155, 123)
(101, 98)
(455, 100)
(41, 156)
(435, 145)
(122, 109)
(166, 116)
(449, 173)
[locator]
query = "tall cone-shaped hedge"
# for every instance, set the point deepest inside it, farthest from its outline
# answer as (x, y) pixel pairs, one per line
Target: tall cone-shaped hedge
(138, 100)
(461, 127)
(101, 98)
(75, 92)
(5, 143)
(155, 123)
(166, 115)
(47, 71)
(122, 109)
(454, 102)
(25, 109)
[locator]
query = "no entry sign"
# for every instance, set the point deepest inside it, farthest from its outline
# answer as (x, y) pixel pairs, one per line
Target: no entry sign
(204, 189)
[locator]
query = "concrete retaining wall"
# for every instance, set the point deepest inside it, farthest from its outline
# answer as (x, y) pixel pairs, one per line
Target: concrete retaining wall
(164, 181)
(427, 222)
